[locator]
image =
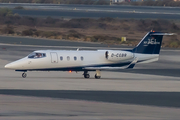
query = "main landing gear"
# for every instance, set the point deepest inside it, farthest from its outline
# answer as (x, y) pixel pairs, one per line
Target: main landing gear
(97, 75)
(86, 74)
(24, 75)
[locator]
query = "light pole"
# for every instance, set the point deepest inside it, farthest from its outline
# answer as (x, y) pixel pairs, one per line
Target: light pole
(111, 2)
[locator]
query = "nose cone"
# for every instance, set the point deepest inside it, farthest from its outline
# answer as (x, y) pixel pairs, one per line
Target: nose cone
(6, 66)
(16, 65)
(9, 66)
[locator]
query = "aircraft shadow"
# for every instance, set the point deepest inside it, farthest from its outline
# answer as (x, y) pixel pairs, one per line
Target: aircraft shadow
(163, 99)
(163, 72)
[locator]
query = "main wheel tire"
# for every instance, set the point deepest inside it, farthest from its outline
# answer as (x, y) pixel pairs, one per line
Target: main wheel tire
(24, 75)
(97, 77)
(86, 76)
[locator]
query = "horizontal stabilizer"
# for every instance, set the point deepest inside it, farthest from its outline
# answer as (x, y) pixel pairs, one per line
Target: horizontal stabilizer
(156, 33)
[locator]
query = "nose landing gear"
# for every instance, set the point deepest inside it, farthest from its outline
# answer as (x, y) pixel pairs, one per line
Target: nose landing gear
(24, 75)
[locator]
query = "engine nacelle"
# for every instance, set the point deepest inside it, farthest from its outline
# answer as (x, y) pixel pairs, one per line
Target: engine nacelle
(116, 56)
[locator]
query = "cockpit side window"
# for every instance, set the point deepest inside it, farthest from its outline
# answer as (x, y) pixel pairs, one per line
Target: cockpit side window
(37, 55)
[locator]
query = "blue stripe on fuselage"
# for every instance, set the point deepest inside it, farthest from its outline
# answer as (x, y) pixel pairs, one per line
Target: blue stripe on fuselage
(78, 68)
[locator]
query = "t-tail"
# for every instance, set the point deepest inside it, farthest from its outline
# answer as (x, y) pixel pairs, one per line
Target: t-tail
(149, 47)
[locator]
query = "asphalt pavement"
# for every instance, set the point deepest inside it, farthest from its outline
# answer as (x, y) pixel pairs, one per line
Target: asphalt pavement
(95, 11)
(150, 91)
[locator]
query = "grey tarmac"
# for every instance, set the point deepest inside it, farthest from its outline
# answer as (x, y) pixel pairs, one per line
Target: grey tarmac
(62, 95)
(95, 11)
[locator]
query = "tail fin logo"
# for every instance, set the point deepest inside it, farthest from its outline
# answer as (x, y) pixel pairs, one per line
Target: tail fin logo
(151, 41)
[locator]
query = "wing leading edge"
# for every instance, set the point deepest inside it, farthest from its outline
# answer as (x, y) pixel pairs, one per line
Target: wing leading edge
(130, 66)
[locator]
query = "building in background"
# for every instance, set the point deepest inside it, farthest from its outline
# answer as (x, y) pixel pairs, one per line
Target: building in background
(140, 0)
(117, 1)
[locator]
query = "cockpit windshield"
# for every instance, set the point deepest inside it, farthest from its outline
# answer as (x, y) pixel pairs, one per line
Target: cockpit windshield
(36, 55)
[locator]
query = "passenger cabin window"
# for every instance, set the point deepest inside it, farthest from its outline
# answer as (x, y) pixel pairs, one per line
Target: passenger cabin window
(61, 58)
(82, 58)
(37, 55)
(75, 58)
(68, 58)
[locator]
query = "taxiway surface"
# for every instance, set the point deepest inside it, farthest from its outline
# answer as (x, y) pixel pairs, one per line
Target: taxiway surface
(95, 11)
(63, 95)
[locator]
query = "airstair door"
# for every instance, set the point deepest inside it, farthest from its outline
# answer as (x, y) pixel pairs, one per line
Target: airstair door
(54, 57)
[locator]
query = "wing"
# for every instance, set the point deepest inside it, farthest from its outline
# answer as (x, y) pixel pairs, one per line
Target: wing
(130, 66)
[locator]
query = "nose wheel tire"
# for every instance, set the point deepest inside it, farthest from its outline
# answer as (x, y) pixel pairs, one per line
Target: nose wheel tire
(24, 75)
(86, 76)
(97, 77)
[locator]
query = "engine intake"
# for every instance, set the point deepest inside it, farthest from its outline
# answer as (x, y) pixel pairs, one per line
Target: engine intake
(116, 56)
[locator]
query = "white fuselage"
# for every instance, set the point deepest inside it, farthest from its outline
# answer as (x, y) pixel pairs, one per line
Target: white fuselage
(77, 60)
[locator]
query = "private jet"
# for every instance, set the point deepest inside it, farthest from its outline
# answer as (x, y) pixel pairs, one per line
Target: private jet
(146, 51)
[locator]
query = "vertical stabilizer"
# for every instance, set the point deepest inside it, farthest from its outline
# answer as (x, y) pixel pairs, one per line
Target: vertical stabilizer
(151, 43)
